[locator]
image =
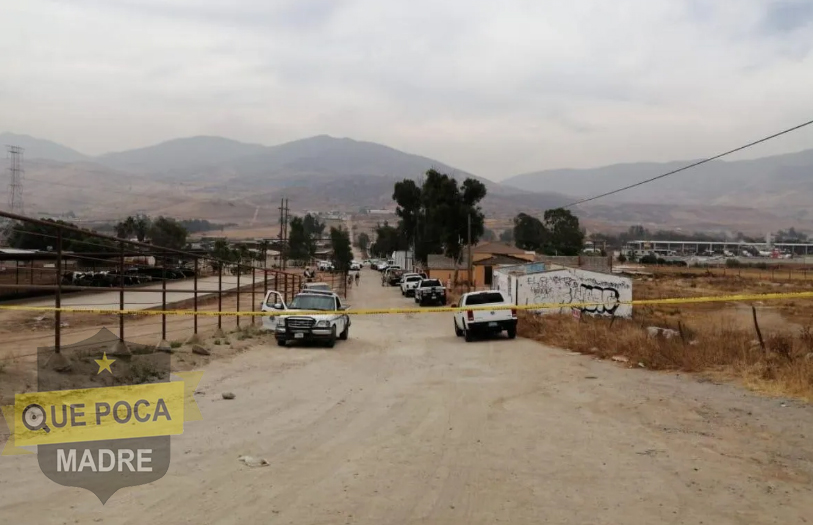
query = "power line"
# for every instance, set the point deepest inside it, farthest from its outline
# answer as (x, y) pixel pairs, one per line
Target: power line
(694, 164)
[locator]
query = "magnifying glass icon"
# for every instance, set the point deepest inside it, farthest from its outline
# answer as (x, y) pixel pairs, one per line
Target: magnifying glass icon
(34, 418)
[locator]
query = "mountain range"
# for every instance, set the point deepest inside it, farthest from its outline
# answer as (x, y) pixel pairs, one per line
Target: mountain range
(217, 178)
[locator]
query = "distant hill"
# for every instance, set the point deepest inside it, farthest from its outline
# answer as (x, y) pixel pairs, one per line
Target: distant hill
(40, 149)
(323, 157)
(784, 182)
(180, 155)
(221, 179)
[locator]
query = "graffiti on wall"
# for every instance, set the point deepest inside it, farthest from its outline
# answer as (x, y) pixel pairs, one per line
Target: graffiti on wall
(574, 287)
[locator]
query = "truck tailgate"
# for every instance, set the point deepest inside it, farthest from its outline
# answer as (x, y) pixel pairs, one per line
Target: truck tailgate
(481, 316)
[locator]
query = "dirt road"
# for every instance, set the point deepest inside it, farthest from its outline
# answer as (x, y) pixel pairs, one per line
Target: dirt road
(405, 423)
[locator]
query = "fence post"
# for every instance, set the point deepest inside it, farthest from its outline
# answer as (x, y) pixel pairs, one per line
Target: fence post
(253, 294)
(238, 294)
(164, 299)
(58, 299)
(31, 277)
(219, 299)
(195, 301)
(164, 345)
(120, 347)
(276, 281)
(121, 290)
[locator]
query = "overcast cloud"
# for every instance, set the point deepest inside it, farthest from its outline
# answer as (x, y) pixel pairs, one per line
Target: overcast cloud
(493, 88)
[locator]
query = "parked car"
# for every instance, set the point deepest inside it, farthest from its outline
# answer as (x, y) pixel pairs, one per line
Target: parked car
(355, 266)
(383, 265)
(316, 286)
(430, 291)
(385, 275)
(289, 326)
(325, 266)
(474, 323)
(409, 281)
(394, 276)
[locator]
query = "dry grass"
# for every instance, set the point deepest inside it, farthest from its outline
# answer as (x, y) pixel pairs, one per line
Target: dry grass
(784, 367)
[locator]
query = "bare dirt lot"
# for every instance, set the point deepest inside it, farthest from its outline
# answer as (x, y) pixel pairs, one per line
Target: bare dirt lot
(406, 423)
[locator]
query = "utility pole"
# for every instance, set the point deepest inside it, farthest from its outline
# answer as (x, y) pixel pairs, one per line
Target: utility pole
(15, 190)
(285, 233)
(470, 263)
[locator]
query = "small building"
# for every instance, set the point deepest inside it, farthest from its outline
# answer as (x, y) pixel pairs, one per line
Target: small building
(485, 258)
(567, 286)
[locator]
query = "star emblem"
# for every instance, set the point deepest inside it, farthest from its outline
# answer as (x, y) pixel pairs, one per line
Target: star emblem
(104, 364)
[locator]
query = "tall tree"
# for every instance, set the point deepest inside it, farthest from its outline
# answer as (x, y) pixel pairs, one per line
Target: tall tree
(138, 225)
(313, 227)
(529, 232)
(168, 233)
(564, 236)
(507, 235)
(363, 241)
(342, 250)
(407, 195)
(388, 239)
(435, 216)
(301, 242)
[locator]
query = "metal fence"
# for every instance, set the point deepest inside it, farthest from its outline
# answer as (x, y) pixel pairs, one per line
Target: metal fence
(83, 272)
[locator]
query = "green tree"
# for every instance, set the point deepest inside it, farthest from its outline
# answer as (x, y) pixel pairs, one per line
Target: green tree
(507, 235)
(489, 235)
(388, 239)
(363, 241)
(301, 242)
(34, 236)
(564, 236)
(168, 233)
(435, 216)
(138, 225)
(313, 227)
(342, 251)
(407, 195)
(529, 232)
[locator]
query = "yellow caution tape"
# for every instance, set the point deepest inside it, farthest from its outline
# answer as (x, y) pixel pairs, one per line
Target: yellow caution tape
(430, 310)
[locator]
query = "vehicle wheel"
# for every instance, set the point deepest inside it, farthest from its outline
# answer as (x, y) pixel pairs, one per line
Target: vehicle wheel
(332, 341)
(512, 333)
(457, 331)
(468, 335)
(281, 342)
(345, 333)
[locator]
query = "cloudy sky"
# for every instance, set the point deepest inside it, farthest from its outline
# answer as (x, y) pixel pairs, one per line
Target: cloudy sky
(493, 88)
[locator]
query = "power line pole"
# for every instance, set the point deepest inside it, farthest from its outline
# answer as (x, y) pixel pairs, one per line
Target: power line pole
(285, 232)
(15, 190)
(470, 263)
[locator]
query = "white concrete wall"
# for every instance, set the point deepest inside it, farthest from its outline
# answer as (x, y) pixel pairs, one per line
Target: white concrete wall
(505, 283)
(571, 285)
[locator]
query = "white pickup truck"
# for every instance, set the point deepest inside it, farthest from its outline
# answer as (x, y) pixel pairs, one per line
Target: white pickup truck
(410, 281)
(481, 322)
(288, 326)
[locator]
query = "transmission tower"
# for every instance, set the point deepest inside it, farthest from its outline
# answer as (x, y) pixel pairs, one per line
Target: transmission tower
(15, 189)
